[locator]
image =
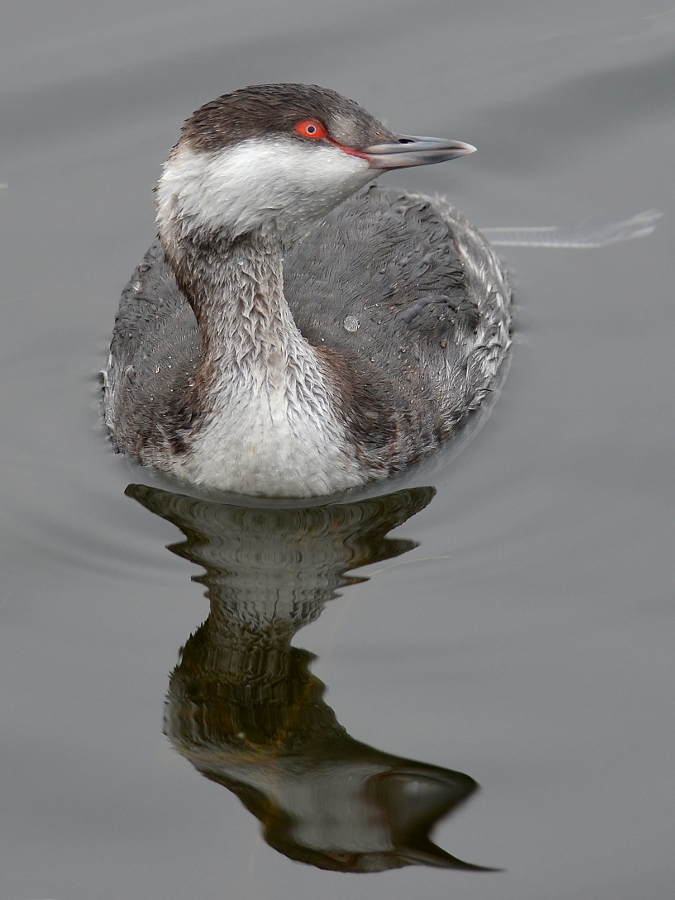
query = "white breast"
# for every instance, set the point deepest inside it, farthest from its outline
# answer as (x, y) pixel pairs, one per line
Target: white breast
(274, 434)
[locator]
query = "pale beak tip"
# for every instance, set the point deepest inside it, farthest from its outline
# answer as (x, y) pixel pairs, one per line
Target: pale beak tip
(468, 149)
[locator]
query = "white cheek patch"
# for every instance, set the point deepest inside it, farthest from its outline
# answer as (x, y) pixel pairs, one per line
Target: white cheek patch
(260, 181)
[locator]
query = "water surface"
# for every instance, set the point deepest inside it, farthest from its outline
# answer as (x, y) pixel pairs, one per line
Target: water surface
(516, 630)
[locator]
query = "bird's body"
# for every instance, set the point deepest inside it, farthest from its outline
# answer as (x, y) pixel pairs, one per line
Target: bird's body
(294, 333)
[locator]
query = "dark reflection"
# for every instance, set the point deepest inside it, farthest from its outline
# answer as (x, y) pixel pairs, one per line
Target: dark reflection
(245, 709)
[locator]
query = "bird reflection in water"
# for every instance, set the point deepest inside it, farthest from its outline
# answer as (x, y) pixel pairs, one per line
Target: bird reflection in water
(245, 709)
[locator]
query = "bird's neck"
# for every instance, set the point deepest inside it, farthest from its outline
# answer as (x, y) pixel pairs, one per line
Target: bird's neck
(235, 287)
(273, 419)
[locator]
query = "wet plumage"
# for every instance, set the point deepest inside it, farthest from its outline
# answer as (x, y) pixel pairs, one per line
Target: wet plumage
(402, 309)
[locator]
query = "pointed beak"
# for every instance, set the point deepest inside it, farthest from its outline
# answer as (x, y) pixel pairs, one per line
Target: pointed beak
(407, 150)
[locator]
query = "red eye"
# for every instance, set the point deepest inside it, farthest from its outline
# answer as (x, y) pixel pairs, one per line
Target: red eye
(311, 129)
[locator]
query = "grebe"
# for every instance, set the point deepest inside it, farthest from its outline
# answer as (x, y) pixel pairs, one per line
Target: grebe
(291, 332)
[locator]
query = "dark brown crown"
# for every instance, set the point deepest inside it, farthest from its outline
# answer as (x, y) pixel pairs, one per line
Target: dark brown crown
(263, 110)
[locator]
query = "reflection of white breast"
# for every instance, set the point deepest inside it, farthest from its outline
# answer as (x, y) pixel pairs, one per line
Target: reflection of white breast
(327, 804)
(332, 812)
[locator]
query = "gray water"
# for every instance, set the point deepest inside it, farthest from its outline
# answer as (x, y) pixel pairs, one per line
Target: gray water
(516, 632)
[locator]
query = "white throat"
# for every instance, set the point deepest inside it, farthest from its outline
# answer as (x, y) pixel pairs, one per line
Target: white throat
(257, 184)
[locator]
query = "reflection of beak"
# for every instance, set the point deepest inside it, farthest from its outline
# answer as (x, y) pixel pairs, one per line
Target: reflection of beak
(406, 150)
(426, 853)
(413, 801)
